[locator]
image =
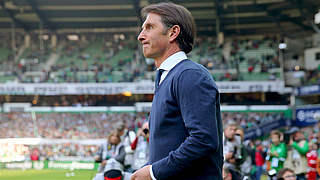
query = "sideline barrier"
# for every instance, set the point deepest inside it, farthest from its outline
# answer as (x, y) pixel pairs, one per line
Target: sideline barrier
(39, 165)
(307, 115)
(49, 89)
(266, 128)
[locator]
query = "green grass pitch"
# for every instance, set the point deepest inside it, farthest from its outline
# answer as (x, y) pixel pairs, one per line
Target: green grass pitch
(47, 174)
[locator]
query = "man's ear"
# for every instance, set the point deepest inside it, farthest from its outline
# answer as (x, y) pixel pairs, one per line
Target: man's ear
(174, 32)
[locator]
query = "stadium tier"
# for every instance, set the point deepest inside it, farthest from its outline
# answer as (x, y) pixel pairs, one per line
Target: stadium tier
(99, 125)
(64, 125)
(104, 58)
(312, 77)
(73, 127)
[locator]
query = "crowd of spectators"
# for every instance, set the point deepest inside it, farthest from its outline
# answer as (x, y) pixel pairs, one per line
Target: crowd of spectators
(293, 148)
(117, 58)
(63, 152)
(252, 119)
(16, 58)
(99, 125)
(9, 66)
(233, 53)
(311, 77)
(96, 59)
(65, 125)
(127, 133)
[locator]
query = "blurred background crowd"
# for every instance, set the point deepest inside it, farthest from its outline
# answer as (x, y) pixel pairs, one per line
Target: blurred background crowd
(117, 58)
(125, 138)
(94, 58)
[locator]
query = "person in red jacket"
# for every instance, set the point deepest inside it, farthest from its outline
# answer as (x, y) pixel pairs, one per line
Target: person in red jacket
(35, 154)
(312, 157)
(141, 147)
(144, 132)
(259, 159)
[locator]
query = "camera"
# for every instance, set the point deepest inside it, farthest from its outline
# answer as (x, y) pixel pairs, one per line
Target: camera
(145, 131)
(237, 155)
(287, 135)
(272, 172)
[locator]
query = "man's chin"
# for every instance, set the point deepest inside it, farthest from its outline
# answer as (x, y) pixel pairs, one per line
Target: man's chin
(146, 55)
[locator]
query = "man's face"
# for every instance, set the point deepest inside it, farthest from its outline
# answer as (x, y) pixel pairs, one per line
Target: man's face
(240, 133)
(153, 37)
(298, 136)
(289, 176)
(230, 131)
(121, 132)
(145, 125)
(275, 139)
(114, 140)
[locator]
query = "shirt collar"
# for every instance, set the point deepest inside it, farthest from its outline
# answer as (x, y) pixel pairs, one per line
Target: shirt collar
(173, 60)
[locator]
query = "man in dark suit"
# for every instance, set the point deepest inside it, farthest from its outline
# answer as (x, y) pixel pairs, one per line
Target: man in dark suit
(185, 121)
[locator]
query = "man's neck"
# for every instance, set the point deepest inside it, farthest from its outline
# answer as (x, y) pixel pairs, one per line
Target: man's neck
(166, 54)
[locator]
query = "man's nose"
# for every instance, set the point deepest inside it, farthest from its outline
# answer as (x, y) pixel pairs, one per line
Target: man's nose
(141, 36)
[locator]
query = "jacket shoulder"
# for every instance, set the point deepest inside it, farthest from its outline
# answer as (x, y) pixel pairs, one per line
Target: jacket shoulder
(188, 66)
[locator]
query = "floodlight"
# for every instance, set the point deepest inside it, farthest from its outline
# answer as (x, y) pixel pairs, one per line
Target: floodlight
(317, 18)
(282, 45)
(44, 37)
(73, 37)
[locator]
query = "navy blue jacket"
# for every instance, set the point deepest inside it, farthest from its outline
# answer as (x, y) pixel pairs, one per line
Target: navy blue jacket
(185, 126)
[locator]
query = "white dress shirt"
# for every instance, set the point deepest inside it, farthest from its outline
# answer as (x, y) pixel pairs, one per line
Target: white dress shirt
(167, 65)
(170, 63)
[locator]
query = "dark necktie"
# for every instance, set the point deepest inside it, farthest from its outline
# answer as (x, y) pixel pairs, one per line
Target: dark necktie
(158, 77)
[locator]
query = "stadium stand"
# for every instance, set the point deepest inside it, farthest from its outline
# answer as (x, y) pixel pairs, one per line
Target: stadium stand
(8, 64)
(65, 125)
(99, 125)
(239, 59)
(107, 58)
(82, 126)
(311, 77)
(250, 120)
(98, 59)
(75, 126)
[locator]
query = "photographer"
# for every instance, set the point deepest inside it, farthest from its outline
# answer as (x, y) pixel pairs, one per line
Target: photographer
(231, 147)
(245, 162)
(277, 153)
(112, 148)
(297, 154)
(141, 147)
(127, 138)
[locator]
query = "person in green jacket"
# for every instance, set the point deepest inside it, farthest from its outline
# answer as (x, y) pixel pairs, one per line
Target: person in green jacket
(278, 151)
(297, 155)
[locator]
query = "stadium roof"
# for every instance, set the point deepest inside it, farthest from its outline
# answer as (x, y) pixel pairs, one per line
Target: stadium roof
(235, 16)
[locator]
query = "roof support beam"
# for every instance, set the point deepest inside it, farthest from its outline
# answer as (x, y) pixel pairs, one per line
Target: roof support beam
(15, 20)
(136, 5)
(274, 18)
(301, 4)
(308, 9)
(219, 12)
(41, 15)
(219, 23)
(280, 16)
